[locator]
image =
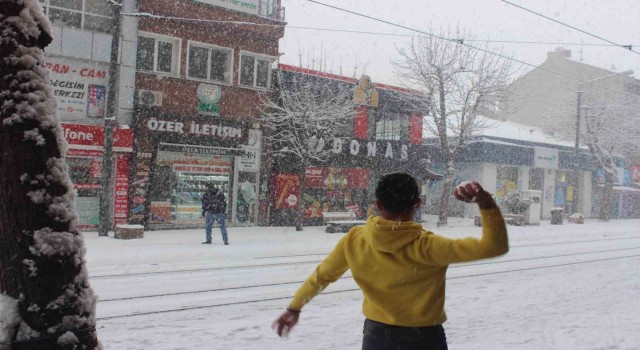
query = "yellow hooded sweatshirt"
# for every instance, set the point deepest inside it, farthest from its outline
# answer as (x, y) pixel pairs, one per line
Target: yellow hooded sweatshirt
(401, 268)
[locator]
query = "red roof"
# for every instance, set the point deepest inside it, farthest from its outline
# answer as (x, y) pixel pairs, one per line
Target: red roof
(295, 69)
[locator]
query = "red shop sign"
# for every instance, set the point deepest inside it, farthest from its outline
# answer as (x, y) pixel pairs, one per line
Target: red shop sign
(287, 190)
(93, 135)
(357, 178)
(121, 200)
(315, 177)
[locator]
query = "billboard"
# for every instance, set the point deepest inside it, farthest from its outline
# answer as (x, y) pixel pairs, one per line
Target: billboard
(79, 87)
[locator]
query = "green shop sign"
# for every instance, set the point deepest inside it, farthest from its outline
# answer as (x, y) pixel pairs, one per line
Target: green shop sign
(209, 95)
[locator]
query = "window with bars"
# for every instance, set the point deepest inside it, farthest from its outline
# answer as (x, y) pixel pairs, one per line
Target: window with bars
(255, 70)
(158, 54)
(209, 62)
(95, 15)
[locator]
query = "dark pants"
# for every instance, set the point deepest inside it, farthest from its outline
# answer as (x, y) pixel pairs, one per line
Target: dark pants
(381, 336)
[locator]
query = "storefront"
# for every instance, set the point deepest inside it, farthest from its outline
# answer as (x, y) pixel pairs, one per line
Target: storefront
(179, 157)
(84, 158)
(343, 183)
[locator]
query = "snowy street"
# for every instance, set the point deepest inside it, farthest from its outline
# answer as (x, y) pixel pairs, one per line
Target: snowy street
(559, 287)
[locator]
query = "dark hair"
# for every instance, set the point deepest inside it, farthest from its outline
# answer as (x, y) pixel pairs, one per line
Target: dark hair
(398, 192)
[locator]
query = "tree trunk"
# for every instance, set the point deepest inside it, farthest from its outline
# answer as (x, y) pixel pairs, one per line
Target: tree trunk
(42, 262)
(446, 194)
(607, 198)
(300, 207)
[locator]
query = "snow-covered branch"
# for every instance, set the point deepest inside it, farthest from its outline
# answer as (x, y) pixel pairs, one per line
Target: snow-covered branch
(305, 117)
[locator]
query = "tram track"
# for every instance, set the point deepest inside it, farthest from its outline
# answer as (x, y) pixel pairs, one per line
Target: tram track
(257, 300)
(249, 266)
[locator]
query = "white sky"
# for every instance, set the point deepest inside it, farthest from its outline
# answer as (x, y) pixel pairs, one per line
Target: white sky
(615, 20)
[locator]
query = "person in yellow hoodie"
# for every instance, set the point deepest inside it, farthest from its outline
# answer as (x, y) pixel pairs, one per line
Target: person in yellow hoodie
(400, 267)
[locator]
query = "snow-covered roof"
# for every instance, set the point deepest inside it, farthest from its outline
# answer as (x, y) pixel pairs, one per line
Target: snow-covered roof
(522, 132)
(498, 131)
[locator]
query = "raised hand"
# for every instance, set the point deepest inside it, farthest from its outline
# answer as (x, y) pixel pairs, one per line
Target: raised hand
(472, 192)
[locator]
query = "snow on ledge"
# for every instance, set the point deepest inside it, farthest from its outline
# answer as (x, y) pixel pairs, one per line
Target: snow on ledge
(130, 226)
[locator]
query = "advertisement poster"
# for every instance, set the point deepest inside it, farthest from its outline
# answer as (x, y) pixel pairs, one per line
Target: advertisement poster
(140, 185)
(160, 212)
(80, 88)
(287, 190)
(121, 198)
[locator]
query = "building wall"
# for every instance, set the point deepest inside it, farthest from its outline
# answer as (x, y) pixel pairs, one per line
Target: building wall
(548, 100)
(239, 107)
(179, 92)
(89, 46)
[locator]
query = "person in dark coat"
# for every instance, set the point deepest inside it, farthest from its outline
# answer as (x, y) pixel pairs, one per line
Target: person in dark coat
(214, 207)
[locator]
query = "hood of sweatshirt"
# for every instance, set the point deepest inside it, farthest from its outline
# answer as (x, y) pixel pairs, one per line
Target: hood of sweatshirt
(390, 236)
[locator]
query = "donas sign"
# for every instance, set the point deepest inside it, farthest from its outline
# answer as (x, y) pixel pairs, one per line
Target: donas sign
(208, 97)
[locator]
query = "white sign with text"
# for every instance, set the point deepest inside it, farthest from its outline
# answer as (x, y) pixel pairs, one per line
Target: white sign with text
(546, 158)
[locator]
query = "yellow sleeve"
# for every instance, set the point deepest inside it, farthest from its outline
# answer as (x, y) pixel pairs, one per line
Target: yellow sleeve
(332, 268)
(494, 242)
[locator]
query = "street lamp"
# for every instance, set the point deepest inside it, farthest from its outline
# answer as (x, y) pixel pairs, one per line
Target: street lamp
(577, 145)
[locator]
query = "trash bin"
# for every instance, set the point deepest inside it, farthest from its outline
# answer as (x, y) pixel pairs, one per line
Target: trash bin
(556, 216)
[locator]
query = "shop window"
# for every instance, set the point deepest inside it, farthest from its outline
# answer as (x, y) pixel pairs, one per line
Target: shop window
(209, 62)
(94, 15)
(85, 174)
(158, 54)
(180, 181)
(255, 70)
(536, 179)
(393, 127)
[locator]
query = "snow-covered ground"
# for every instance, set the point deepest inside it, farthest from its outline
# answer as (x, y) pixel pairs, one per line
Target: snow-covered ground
(560, 287)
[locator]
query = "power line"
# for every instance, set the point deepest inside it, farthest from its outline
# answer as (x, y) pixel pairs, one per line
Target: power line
(626, 47)
(339, 30)
(457, 41)
(461, 42)
(468, 40)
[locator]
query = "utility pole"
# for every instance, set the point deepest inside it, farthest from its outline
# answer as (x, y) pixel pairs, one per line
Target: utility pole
(576, 160)
(109, 125)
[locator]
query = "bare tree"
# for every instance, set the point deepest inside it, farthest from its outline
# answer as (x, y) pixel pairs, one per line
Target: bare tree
(45, 298)
(459, 84)
(303, 120)
(611, 128)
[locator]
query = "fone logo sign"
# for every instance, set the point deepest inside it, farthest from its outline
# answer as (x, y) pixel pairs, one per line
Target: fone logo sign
(86, 135)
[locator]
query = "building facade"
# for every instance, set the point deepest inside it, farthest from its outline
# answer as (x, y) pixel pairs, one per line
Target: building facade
(548, 97)
(384, 136)
(511, 157)
(199, 86)
(78, 61)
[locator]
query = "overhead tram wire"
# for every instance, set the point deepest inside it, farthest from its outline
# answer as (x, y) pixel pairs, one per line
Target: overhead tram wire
(340, 30)
(461, 42)
(457, 41)
(626, 47)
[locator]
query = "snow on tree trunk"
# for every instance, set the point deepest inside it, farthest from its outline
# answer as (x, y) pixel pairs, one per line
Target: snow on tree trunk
(300, 207)
(447, 187)
(42, 265)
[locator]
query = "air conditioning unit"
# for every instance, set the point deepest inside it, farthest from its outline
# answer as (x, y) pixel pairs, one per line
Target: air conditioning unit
(150, 98)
